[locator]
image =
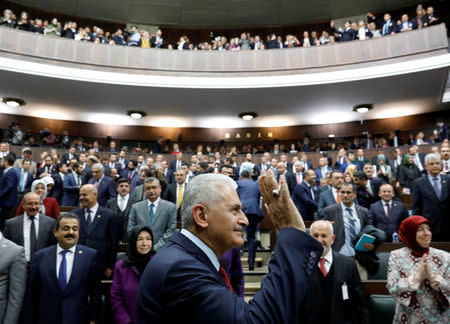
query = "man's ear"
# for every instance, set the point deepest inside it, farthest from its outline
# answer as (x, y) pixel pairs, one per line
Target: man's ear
(199, 215)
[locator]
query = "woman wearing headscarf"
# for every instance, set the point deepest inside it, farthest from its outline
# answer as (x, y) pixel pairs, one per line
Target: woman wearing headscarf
(382, 169)
(419, 276)
(408, 172)
(127, 274)
(49, 206)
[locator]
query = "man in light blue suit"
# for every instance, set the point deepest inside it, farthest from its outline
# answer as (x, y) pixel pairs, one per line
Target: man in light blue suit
(331, 196)
(321, 171)
(158, 214)
(249, 194)
(71, 185)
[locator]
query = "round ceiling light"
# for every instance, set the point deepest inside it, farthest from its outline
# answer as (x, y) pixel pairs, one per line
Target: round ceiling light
(248, 115)
(135, 114)
(363, 108)
(331, 136)
(14, 102)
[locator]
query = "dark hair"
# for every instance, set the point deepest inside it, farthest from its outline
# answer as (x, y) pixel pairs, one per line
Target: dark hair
(360, 175)
(59, 166)
(76, 164)
(65, 216)
(245, 174)
(122, 180)
(204, 165)
(349, 184)
(333, 172)
(135, 162)
(26, 160)
(9, 159)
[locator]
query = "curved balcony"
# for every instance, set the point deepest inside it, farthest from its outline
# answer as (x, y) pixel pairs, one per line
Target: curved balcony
(65, 52)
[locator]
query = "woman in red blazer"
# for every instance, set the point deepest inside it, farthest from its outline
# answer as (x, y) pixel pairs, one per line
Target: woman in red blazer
(49, 206)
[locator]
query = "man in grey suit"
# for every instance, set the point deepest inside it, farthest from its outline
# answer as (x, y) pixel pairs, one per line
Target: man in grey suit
(31, 230)
(13, 277)
(158, 214)
(139, 193)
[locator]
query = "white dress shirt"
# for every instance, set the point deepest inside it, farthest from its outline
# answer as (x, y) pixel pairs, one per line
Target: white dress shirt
(202, 246)
(334, 191)
(155, 203)
(70, 255)
(93, 212)
(328, 260)
(122, 201)
(26, 233)
(62, 175)
(25, 177)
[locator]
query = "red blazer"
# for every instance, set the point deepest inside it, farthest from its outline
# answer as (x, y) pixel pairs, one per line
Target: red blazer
(51, 208)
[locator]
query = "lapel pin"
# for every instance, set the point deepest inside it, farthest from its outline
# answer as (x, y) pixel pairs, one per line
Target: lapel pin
(3, 245)
(395, 205)
(443, 181)
(98, 216)
(79, 252)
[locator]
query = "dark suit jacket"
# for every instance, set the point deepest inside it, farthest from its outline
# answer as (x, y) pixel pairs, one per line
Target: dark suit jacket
(168, 277)
(42, 170)
(70, 191)
(352, 310)
(334, 214)
(171, 192)
(249, 194)
(106, 190)
(379, 219)
(65, 158)
(135, 178)
(121, 216)
(79, 303)
(14, 231)
(435, 209)
(362, 197)
(58, 189)
(318, 172)
(30, 179)
(153, 43)
(8, 188)
(291, 181)
(326, 199)
(304, 201)
(407, 174)
(100, 236)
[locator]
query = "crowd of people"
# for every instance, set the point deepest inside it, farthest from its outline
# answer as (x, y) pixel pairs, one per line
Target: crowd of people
(115, 198)
(373, 27)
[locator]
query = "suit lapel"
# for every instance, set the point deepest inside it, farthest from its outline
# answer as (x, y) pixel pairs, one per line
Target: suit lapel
(41, 231)
(430, 187)
(97, 219)
(444, 191)
(76, 267)
(20, 230)
(52, 260)
(83, 224)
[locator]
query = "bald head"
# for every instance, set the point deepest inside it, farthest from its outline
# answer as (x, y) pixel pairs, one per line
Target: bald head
(322, 231)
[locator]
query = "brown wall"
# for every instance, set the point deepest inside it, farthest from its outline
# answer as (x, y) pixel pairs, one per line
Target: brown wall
(425, 122)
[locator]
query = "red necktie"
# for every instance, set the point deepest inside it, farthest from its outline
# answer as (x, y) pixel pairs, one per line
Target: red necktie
(224, 276)
(338, 197)
(322, 267)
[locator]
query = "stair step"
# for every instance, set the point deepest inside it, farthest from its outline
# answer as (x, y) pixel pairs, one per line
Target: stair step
(258, 261)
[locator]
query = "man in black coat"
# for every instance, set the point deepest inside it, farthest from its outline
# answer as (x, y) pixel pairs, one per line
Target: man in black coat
(431, 198)
(335, 273)
(121, 206)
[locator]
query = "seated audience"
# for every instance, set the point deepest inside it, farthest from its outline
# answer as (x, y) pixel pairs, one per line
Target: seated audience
(324, 302)
(387, 214)
(127, 274)
(48, 206)
(418, 276)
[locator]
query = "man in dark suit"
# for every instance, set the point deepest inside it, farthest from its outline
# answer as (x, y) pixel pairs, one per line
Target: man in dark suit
(58, 178)
(132, 174)
(249, 195)
(290, 178)
(175, 191)
(106, 188)
(331, 196)
(322, 170)
(443, 131)
(31, 230)
(139, 193)
(121, 206)
(348, 220)
(387, 214)
(113, 163)
(431, 198)
(212, 222)
(8, 189)
(395, 140)
(25, 177)
(48, 167)
(445, 159)
(346, 34)
(335, 272)
(419, 158)
(367, 191)
(98, 229)
(64, 286)
(176, 164)
(157, 149)
(305, 196)
(69, 155)
(361, 159)
(71, 185)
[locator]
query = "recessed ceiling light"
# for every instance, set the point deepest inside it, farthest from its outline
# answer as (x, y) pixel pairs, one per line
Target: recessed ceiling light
(248, 115)
(331, 136)
(363, 108)
(14, 102)
(136, 114)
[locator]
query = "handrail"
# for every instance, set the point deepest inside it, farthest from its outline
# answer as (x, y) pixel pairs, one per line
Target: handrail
(14, 43)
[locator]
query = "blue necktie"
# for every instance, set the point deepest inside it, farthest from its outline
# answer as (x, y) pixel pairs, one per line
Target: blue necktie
(88, 218)
(436, 187)
(152, 212)
(385, 27)
(22, 178)
(352, 223)
(63, 271)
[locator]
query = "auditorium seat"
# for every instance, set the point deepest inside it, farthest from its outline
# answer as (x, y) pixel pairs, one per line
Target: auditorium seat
(382, 269)
(381, 309)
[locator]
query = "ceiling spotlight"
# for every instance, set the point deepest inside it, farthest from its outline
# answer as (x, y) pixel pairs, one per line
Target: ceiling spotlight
(248, 115)
(331, 136)
(363, 108)
(14, 102)
(135, 114)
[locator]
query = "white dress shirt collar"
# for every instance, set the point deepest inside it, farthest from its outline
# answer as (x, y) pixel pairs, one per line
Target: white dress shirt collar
(93, 211)
(156, 203)
(329, 260)
(202, 246)
(69, 260)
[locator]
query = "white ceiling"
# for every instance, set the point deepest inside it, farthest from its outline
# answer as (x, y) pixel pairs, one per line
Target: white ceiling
(214, 13)
(394, 96)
